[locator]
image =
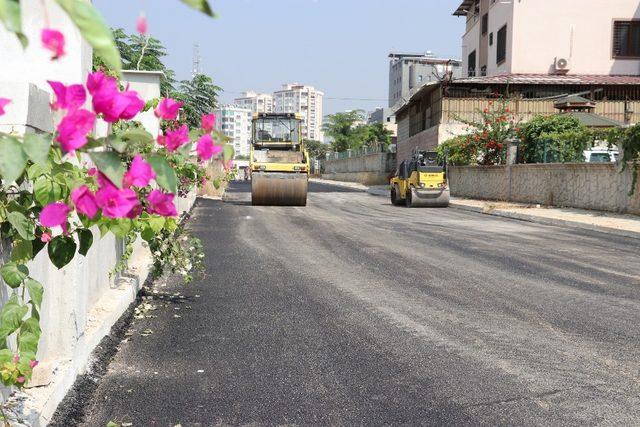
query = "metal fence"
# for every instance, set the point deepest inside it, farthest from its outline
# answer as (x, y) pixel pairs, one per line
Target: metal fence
(355, 153)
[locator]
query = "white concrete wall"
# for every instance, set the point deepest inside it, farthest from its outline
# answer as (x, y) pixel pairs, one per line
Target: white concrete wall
(597, 186)
(147, 84)
(538, 31)
(581, 30)
(33, 65)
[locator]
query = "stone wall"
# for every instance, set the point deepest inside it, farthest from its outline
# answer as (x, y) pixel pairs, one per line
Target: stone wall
(368, 169)
(598, 186)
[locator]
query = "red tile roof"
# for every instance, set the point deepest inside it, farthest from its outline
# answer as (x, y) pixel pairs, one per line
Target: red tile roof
(552, 79)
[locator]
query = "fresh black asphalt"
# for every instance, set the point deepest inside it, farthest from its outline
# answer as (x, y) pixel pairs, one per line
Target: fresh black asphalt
(352, 311)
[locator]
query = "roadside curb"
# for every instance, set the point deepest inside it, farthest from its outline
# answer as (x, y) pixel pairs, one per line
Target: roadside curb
(545, 221)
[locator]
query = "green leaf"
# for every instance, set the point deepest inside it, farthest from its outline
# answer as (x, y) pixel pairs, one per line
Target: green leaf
(156, 223)
(22, 224)
(36, 246)
(216, 183)
(29, 335)
(13, 274)
(13, 159)
(104, 229)
(10, 17)
(37, 147)
(61, 250)
(118, 144)
(6, 355)
(109, 164)
(228, 152)
(36, 290)
(85, 236)
(94, 30)
(34, 171)
(201, 5)
(165, 175)
(46, 190)
(11, 316)
(120, 227)
(137, 136)
(147, 234)
(22, 251)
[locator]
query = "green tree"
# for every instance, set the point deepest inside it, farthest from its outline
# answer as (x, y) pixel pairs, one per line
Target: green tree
(316, 149)
(559, 137)
(343, 130)
(378, 135)
(200, 96)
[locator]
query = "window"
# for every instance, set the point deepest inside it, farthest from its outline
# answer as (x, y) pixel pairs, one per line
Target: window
(485, 23)
(472, 64)
(501, 47)
(626, 39)
(490, 39)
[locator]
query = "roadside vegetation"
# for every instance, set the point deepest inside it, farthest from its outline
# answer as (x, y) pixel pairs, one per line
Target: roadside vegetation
(349, 131)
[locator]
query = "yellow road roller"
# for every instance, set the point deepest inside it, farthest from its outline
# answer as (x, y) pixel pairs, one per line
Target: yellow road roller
(278, 161)
(420, 181)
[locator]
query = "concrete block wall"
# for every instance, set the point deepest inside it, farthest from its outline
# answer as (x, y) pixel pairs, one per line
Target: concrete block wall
(598, 186)
(368, 169)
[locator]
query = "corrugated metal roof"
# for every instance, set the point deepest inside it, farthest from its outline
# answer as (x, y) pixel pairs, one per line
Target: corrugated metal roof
(551, 79)
(594, 120)
(463, 8)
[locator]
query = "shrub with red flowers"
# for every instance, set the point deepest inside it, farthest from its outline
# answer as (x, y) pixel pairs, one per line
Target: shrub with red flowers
(60, 192)
(486, 142)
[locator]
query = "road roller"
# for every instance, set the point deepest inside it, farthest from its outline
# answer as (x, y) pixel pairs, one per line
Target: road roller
(420, 181)
(279, 163)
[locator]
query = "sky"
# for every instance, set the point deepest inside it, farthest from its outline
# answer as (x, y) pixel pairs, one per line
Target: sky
(338, 46)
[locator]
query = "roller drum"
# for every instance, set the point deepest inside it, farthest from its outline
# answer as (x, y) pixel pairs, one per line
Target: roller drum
(278, 189)
(429, 198)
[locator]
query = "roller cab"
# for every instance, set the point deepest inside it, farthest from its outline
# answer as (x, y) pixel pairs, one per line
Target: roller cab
(279, 163)
(420, 182)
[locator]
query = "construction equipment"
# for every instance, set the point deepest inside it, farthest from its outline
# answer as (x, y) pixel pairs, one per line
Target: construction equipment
(420, 181)
(279, 163)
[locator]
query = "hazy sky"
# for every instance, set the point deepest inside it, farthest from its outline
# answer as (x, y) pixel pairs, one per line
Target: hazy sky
(338, 46)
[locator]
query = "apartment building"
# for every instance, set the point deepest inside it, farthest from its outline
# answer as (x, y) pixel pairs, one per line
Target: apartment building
(384, 116)
(305, 100)
(550, 37)
(235, 122)
(256, 102)
(409, 71)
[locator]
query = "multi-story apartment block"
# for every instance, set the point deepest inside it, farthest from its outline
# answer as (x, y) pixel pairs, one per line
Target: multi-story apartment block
(558, 37)
(305, 100)
(256, 102)
(235, 122)
(384, 116)
(409, 71)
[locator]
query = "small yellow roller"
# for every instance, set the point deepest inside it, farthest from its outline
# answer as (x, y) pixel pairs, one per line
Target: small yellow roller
(420, 182)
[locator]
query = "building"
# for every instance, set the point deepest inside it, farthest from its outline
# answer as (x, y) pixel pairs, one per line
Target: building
(534, 66)
(584, 37)
(235, 122)
(256, 102)
(305, 100)
(386, 117)
(409, 71)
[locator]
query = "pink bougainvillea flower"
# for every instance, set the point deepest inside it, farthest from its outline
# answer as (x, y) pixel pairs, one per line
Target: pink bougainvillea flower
(139, 173)
(141, 24)
(16, 358)
(55, 215)
(115, 202)
(109, 101)
(85, 201)
(168, 109)
(74, 128)
(206, 149)
(228, 165)
(3, 103)
(92, 171)
(208, 121)
(174, 139)
(103, 181)
(33, 364)
(20, 379)
(135, 211)
(53, 40)
(67, 97)
(45, 237)
(161, 203)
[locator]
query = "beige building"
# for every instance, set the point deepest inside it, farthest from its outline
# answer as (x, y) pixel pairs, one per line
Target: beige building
(595, 37)
(305, 100)
(256, 102)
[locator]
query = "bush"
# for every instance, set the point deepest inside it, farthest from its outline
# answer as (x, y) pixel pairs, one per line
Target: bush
(458, 151)
(562, 135)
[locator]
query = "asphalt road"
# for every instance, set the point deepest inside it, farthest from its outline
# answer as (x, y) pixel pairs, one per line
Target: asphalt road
(352, 311)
